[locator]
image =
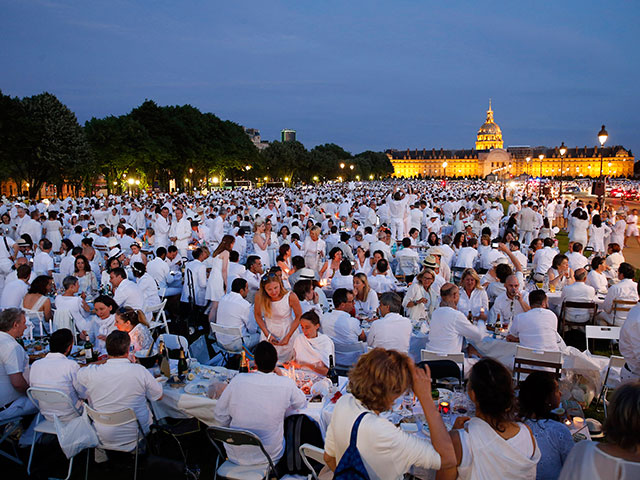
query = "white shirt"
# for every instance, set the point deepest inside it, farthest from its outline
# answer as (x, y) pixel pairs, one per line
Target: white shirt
(257, 402)
(543, 259)
(382, 283)
(578, 292)
(159, 270)
(630, 340)
(42, 263)
(369, 306)
(57, 371)
(625, 289)
(341, 281)
(536, 329)
(506, 307)
(114, 386)
(13, 293)
(235, 311)
(199, 274)
(13, 359)
(149, 288)
(598, 281)
(448, 328)
(67, 265)
(128, 294)
(466, 257)
(577, 260)
(478, 300)
(391, 332)
(341, 327)
(387, 451)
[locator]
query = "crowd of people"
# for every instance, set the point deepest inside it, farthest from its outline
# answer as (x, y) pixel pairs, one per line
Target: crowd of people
(313, 274)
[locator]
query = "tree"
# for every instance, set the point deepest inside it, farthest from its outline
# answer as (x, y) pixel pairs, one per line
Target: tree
(285, 159)
(373, 163)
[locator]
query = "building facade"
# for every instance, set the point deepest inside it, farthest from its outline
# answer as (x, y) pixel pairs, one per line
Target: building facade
(287, 135)
(490, 157)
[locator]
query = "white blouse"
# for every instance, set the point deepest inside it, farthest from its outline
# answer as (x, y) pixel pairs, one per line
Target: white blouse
(313, 350)
(475, 303)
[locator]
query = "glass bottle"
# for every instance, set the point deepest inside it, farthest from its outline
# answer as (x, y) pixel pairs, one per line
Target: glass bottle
(88, 351)
(331, 373)
(244, 365)
(183, 367)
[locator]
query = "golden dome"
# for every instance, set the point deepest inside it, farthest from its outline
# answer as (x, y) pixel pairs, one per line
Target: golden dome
(489, 135)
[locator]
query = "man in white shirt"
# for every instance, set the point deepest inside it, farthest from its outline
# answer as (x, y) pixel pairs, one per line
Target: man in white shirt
(126, 292)
(537, 328)
(235, 311)
(509, 303)
(42, 260)
(408, 259)
(576, 258)
(341, 327)
(116, 385)
(161, 227)
(578, 291)
(382, 280)
(342, 278)
(630, 345)
(14, 290)
(625, 289)
(57, 371)
(252, 275)
(543, 258)
(391, 331)
(159, 269)
(234, 269)
(33, 227)
(258, 402)
(596, 277)
(466, 256)
(526, 223)
(180, 232)
(14, 366)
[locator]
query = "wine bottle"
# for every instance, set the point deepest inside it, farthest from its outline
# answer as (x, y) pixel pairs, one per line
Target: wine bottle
(331, 373)
(244, 365)
(470, 317)
(88, 351)
(183, 367)
(165, 367)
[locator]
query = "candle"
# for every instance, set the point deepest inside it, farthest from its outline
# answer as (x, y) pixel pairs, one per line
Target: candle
(41, 335)
(578, 422)
(444, 407)
(567, 422)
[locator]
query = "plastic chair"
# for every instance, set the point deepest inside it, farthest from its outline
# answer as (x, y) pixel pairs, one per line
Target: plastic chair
(174, 342)
(601, 332)
(526, 358)
(116, 419)
(608, 384)
(233, 471)
(456, 274)
(344, 351)
(457, 358)
(314, 453)
(159, 316)
(42, 397)
(227, 350)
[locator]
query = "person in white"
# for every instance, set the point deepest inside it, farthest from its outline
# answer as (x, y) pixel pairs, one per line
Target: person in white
(59, 372)
(450, 327)
(313, 350)
(116, 385)
(391, 331)
(195, 276)
(422, 297)
(473, 298)
(252, 275)
(543, 258)
(387, 452)
(14, 366)
(408, 259)
(147, 285)
(313, 249)
(466, 256)
(341, 327)
(382, 280)
(14, 290)
(630, 345)
(235, 311)
(578, 291)
(162, 227)
(180, 232)
(42, 260)
(126, 292)
(596, 277)
(159, 269)
(576, 258)
(625, 289)
(537, 328)
(258, 402)
(397, 202)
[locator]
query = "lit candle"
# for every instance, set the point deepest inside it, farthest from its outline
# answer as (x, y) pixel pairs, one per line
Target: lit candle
(567, 422)
(578, 422)
(444, 407)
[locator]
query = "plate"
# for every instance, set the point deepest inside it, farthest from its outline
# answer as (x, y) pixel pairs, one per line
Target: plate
(197, 388)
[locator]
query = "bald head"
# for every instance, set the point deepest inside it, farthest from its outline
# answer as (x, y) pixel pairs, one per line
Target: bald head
(580, 275)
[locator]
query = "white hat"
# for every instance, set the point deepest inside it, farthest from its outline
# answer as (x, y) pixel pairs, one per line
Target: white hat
(307, 274)
(112, 242)
(115, 253)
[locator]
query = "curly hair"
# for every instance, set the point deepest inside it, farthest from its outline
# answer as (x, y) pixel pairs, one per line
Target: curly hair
(379, 377)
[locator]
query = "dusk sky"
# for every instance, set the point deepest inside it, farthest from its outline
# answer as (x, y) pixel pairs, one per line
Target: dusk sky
(362, 74)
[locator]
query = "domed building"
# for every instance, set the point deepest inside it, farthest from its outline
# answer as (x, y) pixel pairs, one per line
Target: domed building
(489, 135)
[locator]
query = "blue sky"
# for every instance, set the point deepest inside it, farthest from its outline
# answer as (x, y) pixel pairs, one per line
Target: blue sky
(362, 74)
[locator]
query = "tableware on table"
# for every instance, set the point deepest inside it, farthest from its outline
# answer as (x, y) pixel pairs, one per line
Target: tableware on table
(197, 388)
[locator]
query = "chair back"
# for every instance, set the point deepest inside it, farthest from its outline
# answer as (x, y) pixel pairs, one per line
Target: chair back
(621, 310)
(174, 342)
(407, 266)
(227, 338)
(427, 355)
(601, 332)
(456, 274)
(312, 452)
(527, 358)
(157, 308)
(45, 398)
(589, 308)
(113, 419)
(442, 364)
(237, 437)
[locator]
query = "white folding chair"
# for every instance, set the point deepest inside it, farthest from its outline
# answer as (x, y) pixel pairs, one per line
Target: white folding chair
(174, 342)
(609, 384)
(116, 419)
(227, 349)
(312, 452)
(159, 316)
(601, 332)
(528, 360)
(44, 398)
(457, 358)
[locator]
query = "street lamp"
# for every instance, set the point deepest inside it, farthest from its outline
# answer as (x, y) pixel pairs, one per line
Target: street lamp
(563, 150)
(541, 157)
(342, 165)
(526, 181)
(444, 167)
(603, 135)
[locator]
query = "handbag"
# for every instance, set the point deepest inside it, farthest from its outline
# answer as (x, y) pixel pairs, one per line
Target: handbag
(75, 435)
(351, 466)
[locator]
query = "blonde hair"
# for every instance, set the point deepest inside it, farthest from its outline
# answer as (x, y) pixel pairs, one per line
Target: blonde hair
(470, 272)
(378, 376)
(426, 271)
(259, 221)
(365, 291)
(262, 300)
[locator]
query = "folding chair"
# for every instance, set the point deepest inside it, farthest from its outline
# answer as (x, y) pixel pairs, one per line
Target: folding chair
(608, 384)
(436, 358)
(8, 426)
(620, 311)
(174, 342)
(307, 452)
(43, 398)
(526, 358)
(227, 350)
(233, 471)
(159, 316)
(590, 307)
(456, 274)
(600, 332)
(116, 419)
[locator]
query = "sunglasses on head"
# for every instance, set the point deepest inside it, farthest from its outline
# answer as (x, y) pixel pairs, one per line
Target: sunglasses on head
(267, 276)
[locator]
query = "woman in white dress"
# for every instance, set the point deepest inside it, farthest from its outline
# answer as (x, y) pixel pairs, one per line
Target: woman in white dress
(217, 282)
(36, 302)
(6, 230)
(136, 254)
(104, 321)
(366, 299)
(560, 275)
(135, 324)
(331, 266)
(421, 300)
(277, 313)
(492, 444)
(597, 233)
(309, 298)
(113, 219)
(52, 230)
(473, 298)
(261, 243)
(273, 244)
(312, 349)
(632, 227)
(283, 261)
(579, 224)
(86, 278)
(361, 261)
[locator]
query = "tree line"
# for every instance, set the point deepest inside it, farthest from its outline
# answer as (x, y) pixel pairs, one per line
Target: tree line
(42, 142)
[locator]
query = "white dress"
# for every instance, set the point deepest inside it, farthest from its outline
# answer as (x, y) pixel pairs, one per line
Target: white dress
(632, 226)
(103, 327)
(278, 325)
(596, 237)
(263, 254)
(313, 350)
(579, 230)
(215, 283)
(423, 310)
(53, 233)
(588, 462)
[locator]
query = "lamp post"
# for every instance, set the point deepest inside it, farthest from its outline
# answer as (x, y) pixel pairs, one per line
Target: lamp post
(526, 182)
(541, 157)
(602, 138)
(563, 150)
(444, 168)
